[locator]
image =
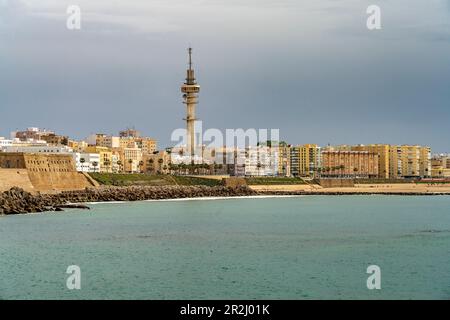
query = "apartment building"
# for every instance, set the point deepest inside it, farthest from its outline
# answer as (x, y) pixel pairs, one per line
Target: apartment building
(409, 161)
(349, 164)
(305, 160)
(103, 140)
(440, 166)
(105, 157)
(157, 163)
(86, 162)
(383, 157)
(284, 160)
(261, 161)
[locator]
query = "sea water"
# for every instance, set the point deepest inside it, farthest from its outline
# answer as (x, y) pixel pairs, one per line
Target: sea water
(310, 247)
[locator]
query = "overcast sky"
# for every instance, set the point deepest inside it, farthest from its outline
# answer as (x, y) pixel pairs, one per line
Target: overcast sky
(310, 68)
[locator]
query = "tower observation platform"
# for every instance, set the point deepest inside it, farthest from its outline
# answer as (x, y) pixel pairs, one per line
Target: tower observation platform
(190, 90)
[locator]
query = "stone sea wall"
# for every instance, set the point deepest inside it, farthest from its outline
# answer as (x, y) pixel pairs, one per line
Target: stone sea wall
(41, 172)
(17, 201)
(337, 183)
(15, 177)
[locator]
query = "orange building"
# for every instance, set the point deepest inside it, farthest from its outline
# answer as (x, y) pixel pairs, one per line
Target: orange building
(351, 164)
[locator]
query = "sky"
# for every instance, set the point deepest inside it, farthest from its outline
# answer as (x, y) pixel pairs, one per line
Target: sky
(309, 68)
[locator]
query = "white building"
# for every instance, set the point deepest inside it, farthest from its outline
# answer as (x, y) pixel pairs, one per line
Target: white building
(87, 162)
(92, 139)
(15, 142)
(103, 140)
(261, 161)
(181, 155)
(4, 143)
(115, 166)
(36, 148)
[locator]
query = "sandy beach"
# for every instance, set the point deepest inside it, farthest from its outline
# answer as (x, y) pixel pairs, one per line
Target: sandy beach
(412, 188)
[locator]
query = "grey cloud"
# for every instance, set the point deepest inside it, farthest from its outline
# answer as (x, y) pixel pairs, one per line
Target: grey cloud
(309, 68)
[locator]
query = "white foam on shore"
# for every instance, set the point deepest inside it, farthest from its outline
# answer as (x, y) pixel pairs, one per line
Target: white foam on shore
(226, 198)
(101, 202)
(200, 199)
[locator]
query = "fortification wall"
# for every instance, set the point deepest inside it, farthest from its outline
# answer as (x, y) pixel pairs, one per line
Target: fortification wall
(41, 172)
(15, 178)
(234, 182)
(58, 181)
(336, 183)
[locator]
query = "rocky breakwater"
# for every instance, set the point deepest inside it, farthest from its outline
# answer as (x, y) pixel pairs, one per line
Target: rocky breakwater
(351, 193)
(17, 201)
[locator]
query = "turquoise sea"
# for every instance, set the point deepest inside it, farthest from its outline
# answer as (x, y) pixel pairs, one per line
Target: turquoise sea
(310, 247)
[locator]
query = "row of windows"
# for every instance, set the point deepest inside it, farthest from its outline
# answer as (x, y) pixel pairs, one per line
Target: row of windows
(49, 161)
(49, 170)
(59, 161)
(35, 162)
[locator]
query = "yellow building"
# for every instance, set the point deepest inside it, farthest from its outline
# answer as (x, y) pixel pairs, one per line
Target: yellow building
(127, 143)
(106, 162)
(425, 162)
(284, 160)
(128, 159)
(55, 140)
(157, 163)
(77, 146)
(394, 165)
(305, 160)
(354, 164)
(440, 167)
(383, 157)
(103, 140)
(147, 145)
(132, 160)
(408, 161)
(309, 159)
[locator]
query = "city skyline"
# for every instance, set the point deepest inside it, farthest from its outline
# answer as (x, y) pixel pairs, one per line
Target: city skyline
(316, 72)
(11, 135)
(131, 152)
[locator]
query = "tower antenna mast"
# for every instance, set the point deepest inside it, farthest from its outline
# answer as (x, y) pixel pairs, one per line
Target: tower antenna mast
(190, 58)
(190, 90)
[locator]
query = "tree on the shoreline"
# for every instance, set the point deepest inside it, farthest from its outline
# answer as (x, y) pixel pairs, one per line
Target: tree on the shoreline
(95, 164)
(82, 161)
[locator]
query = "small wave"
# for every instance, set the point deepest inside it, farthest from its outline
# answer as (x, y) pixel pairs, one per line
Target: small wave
(194, 199)
(433, 231)
(102, 202)
(425, 233)
(226, 198)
